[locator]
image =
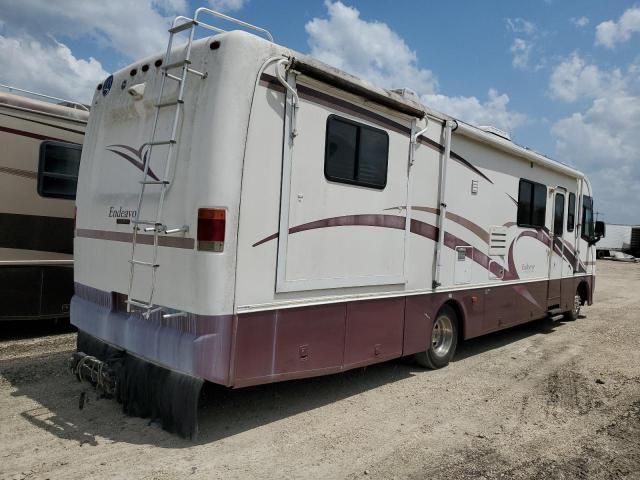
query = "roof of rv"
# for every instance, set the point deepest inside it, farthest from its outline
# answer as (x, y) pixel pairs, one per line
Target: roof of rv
(48, 108)
(405, 104)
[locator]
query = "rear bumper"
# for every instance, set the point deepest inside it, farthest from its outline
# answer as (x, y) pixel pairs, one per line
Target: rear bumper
(196, 345)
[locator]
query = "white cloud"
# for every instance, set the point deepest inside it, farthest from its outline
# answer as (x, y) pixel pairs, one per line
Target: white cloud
(49, 68)
(227, 5)
(132, 28)
(609, 33)
(521, 51)
(494, 111)
(371, 50)
(521, 26)
(603, 139)
(579, 22)
(523, 44)
(575, 79)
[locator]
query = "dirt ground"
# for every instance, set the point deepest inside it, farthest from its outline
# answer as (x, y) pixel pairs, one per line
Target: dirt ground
(558, 401)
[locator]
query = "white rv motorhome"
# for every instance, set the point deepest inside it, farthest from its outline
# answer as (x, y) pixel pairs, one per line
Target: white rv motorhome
(41, 144)
(248, 214)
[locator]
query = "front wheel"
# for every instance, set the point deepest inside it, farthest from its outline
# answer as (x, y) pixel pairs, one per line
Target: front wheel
(444, 340)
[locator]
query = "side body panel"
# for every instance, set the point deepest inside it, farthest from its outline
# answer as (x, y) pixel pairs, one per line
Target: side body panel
(36, 233)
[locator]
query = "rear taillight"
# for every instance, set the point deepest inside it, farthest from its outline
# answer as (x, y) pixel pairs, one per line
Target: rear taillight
(211, 227)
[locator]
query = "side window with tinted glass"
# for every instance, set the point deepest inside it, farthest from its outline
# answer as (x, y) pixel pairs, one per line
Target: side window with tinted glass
(58, 169)
(571, 213)
(558, 215)
(355, 153)
(532, 204)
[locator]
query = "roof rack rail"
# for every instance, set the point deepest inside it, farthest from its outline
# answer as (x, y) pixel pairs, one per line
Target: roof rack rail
(60, 101)
(183, 23)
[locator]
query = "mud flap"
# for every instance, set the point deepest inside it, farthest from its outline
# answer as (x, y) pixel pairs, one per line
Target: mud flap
(146, 390)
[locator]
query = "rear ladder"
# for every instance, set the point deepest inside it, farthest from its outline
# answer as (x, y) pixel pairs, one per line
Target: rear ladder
(155, 225)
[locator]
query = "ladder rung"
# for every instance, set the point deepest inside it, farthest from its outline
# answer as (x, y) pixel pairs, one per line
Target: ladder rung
(154, 182)
(146, 222)
(184, 228)
(136, 303)
(144, 264)
(162, 142)
(183, 26)
(180, 63)
(170, 104)
(196, 72)
(173, 77)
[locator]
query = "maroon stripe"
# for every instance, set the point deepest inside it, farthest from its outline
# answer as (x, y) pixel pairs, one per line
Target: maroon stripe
(24, 133)
(79, 132)
(385, 221)
(440, 148)
(172, 242)
(460, 220)
(18, 172)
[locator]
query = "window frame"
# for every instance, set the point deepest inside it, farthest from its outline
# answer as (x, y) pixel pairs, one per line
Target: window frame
(533, 190)
(360, 127)
(561, 222)
(571, 212)
(42, 173)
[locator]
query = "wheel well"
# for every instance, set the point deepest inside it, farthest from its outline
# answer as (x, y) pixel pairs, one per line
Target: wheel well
(583, 292)
(457, 308)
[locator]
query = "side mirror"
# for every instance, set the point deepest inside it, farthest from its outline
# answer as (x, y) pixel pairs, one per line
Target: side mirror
(600, 229)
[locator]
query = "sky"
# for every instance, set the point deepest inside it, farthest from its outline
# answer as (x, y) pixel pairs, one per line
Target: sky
(561, 76)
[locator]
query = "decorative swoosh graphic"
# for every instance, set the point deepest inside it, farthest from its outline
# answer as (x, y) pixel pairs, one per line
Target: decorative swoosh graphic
(18, 172)
(138, 158)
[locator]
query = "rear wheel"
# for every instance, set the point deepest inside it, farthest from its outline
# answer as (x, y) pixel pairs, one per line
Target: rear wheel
(444, 340)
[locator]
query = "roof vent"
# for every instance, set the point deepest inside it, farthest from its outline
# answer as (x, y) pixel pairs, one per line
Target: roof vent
(496, 131)
(407, 94)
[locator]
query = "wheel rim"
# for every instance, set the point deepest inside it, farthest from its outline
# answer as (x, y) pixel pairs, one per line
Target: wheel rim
(442, 336)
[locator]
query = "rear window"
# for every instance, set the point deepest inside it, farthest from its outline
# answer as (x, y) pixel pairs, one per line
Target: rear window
(355, 153)
(58, 169)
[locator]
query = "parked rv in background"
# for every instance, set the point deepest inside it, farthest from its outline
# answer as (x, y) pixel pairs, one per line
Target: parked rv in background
(41, 144)
(620, 238)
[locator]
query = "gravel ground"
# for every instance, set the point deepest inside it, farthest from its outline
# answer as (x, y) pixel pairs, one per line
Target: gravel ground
(557, 401)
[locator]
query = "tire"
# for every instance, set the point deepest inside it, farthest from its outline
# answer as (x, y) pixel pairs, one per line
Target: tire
(444, 340)
(573, 315)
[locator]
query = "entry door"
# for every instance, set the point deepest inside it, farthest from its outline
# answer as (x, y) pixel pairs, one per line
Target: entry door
(556, 251)
(344, 190)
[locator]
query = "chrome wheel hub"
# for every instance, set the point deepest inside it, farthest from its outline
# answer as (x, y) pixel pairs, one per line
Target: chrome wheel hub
(577, 303)
(442, 336)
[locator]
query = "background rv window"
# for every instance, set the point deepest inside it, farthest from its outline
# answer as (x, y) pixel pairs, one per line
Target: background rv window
(571, 213)
(58, 169)
(356, 154)
(532, 204)
(558, 215)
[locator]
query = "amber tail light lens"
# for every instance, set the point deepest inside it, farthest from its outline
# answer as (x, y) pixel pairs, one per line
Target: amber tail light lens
(211, 229)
